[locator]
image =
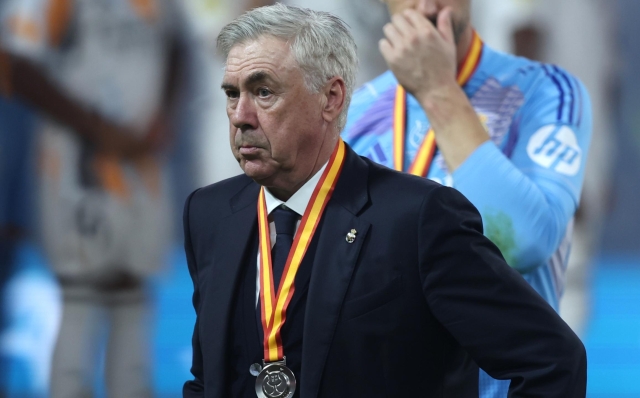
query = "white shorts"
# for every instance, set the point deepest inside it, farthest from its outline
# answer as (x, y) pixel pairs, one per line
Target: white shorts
(89, 230)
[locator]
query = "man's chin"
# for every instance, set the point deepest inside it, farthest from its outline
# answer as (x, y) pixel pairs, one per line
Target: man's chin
(257, 171)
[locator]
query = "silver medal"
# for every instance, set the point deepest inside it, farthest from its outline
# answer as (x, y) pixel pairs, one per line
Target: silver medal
(275, 381)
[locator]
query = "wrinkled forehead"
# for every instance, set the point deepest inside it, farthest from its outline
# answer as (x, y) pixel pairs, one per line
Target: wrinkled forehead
(259, 49)
(266, 58)
(263, 53)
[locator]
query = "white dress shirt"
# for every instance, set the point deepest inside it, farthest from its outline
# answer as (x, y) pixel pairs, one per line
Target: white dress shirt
(297, 202)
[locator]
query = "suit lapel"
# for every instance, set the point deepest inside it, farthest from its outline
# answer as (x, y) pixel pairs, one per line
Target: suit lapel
(333, 267)
(236, 236)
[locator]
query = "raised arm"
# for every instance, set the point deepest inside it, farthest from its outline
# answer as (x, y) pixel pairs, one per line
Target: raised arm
(26, 80)
(528, 196)
(26, 53)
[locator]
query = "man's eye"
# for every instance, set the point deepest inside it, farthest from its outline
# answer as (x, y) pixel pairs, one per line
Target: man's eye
(263, 92)
(231, 94)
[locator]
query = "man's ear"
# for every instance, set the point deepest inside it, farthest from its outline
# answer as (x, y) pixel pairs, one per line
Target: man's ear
(335, 93)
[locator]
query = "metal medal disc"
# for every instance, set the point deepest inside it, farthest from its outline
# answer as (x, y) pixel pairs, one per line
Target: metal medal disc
(275, 381)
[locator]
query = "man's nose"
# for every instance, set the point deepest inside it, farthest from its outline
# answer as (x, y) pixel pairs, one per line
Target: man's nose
(428, 8)
(244, 115)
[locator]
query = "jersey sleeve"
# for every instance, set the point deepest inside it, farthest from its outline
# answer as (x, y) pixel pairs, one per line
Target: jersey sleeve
(527, 195)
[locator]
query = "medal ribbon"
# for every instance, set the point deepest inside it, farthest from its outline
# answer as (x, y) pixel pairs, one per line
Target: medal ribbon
(422, 161)
(274, 304)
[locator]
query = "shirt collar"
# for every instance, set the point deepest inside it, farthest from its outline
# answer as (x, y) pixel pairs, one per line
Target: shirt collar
(298, 201)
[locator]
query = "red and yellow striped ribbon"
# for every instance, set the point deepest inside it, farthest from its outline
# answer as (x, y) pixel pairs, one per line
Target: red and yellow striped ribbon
(274, 303)
(422, 162)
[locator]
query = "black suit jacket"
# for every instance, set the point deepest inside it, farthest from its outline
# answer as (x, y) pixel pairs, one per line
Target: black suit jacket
(396, 313)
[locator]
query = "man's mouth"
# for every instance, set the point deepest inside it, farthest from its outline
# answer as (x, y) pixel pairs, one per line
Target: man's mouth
(248, 150)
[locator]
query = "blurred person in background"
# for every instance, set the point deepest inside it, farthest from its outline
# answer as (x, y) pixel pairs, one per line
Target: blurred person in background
(105, 75)
(511, 134)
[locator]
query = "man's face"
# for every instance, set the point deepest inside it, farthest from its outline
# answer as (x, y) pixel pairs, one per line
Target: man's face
(276, 124)
(431, 8)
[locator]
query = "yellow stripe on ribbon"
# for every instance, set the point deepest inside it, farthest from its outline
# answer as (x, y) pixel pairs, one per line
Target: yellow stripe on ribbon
(471, 60)
(274, 317)
(422, 162)
(267, 296)
(399, 124)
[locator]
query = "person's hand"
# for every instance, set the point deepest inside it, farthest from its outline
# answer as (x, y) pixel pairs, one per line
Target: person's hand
(118, 140)
(123, 142)
(421, 56)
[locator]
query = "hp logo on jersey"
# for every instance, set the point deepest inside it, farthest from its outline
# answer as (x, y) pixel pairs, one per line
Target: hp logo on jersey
(556, 147)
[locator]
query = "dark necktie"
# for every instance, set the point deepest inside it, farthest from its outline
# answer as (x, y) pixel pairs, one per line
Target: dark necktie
(285, 221)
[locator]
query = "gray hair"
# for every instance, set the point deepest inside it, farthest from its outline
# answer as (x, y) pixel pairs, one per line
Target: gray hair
(320, 43)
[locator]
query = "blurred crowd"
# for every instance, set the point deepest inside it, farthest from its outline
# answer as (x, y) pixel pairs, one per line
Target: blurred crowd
(111, 113)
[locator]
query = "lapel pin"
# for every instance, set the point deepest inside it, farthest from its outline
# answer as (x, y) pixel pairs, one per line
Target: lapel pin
(351, 236)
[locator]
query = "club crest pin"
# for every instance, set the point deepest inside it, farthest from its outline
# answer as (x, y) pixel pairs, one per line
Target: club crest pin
(351, 236)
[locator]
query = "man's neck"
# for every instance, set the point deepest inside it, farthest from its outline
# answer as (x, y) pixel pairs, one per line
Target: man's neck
(285, 194)
(463, 45)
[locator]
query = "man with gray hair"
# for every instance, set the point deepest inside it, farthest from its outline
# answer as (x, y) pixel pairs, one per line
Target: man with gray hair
(318, 273)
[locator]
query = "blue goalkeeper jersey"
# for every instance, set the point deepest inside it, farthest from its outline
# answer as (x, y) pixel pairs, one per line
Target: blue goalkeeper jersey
(525, 181)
